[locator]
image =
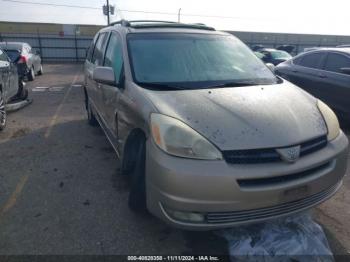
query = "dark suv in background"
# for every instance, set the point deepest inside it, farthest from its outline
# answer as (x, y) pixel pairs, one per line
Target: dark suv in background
(27, 60)
(325, 73)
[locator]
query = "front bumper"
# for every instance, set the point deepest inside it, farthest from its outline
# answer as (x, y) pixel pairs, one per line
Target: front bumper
(211, 188)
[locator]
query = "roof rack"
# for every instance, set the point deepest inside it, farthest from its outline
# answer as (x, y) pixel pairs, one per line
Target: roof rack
(159, 24)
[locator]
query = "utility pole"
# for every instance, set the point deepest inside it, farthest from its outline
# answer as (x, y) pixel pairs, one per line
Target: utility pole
(179, 15)
(108, 10)
(108, 13)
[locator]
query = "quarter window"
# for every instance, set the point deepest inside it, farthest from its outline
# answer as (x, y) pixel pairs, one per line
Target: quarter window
(114, 56)
(97, 57)
(335, 62)
(310, 60)
(90, 51)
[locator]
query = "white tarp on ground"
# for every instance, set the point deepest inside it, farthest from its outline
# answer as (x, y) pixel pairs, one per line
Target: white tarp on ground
(295, 238)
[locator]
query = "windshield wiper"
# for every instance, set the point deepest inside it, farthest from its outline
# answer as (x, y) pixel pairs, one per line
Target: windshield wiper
(235, 84)
(160, 86)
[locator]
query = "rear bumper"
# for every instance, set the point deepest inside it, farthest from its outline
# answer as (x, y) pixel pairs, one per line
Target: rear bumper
(210, 188)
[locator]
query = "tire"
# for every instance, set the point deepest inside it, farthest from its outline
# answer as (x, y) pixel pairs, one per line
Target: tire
(3, 115)
(92, 121)
(41, 71)
(22, 91)
(137, 196)
(31, 75)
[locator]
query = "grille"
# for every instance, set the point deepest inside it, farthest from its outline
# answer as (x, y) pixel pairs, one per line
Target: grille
(247, 183)
(270, 155)
(261, 213)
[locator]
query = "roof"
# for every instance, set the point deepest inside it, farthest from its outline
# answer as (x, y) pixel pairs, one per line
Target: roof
(160, 24)
(163, 26)
(335, 49)
(11, 45)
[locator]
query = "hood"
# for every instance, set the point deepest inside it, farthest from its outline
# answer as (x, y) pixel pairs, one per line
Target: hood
(250, 117)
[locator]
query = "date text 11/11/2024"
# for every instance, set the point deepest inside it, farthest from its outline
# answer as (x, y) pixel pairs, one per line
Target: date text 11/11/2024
(173, 258)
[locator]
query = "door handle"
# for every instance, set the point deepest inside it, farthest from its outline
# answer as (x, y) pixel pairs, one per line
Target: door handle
(322, 76)
(295, 71)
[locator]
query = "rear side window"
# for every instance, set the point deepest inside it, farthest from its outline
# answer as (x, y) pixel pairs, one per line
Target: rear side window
(313, 60)
(335, 62)
(97, 57)
(114, 56)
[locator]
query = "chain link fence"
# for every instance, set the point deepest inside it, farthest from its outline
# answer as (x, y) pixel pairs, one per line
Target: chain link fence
(54, 48)
(69, 48)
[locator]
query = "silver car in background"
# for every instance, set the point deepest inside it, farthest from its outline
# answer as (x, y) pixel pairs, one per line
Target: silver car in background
(208, 135)
(28, 61)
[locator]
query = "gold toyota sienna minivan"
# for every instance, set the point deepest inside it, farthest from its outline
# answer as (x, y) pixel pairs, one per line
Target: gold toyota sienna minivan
(209, 136)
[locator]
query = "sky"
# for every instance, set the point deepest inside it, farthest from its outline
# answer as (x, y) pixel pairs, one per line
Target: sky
(294, 16)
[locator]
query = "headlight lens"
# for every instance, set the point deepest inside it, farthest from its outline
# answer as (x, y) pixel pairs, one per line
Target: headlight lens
(330, 119)
(178, 139)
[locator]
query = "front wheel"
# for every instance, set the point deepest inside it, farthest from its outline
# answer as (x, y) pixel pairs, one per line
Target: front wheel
(2, 112)
(22, 91)
(137, 195)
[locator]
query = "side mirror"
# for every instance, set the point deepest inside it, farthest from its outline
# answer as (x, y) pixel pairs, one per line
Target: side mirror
(4, 64)
(345, 70)
(104, 75)
(271, 67)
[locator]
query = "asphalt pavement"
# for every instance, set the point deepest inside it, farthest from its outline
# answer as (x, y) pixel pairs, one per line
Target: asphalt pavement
(61, 192)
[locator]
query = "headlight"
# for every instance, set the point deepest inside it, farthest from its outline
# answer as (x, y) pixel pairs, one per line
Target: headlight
(331, 120)
(178, 139)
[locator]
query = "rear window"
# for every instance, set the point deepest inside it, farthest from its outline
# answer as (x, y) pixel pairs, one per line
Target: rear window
(280, 55)
(12, 54)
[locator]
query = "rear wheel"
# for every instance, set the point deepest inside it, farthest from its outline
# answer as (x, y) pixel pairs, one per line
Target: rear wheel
(2, 112)
(137, 195)
(41, 71)
(31, 74)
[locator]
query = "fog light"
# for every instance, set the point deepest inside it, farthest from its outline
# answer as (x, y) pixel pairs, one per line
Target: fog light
(185, 216)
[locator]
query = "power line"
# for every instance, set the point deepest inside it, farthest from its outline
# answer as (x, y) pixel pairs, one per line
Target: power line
(50, 4)
(132, 11)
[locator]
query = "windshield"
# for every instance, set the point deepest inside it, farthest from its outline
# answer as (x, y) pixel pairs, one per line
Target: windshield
(195, 61)
(12, 54)
(280, 55)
